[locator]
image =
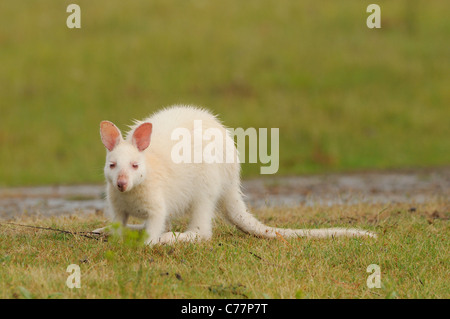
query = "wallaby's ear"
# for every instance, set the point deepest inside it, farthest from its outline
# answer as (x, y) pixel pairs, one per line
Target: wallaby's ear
(110, 134)
(141, 136)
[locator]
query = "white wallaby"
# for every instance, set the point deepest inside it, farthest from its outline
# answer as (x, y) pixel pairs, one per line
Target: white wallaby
(143, 181)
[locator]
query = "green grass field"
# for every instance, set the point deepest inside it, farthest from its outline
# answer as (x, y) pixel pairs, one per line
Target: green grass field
(345, 97)
(412, 252)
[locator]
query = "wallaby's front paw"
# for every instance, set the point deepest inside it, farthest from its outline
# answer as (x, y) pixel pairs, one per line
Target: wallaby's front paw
(100, 230)
(108, 230)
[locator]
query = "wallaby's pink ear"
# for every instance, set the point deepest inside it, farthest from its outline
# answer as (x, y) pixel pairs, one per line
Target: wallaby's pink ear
(110, 134)
(141, 136)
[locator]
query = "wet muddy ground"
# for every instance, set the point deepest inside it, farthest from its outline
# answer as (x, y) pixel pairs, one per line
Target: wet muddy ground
(414, 186)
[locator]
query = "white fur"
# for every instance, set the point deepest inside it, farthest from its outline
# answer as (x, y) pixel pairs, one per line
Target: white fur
(160, 189)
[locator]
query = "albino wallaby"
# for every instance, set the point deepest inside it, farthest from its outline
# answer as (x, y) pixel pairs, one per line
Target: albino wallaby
(144, 181)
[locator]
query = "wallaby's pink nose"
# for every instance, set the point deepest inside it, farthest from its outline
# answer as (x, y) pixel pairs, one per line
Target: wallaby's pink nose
(122, 184)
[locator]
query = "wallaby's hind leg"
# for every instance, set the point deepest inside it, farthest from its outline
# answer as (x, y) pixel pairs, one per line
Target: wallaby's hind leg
(202, 215)
(200, 227)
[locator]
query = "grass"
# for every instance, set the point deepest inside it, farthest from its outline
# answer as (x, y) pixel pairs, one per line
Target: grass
(344, 97)
(412, 251)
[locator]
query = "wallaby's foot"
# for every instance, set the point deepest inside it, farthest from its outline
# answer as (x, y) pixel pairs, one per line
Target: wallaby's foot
(108, 231)
(173, 237)
(101, 231)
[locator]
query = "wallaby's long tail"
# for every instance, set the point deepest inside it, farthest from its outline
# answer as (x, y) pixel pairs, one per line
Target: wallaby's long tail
(236, 212)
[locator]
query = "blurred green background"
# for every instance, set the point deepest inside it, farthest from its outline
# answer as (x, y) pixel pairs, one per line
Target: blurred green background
(344, 96)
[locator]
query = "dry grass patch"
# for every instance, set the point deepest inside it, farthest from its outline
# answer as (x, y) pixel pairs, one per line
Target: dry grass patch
(412, 252)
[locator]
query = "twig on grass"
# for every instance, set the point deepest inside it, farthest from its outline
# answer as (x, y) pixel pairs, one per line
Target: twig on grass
(90, 235)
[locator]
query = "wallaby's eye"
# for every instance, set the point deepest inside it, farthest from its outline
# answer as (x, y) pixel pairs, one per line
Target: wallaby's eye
(135, 165)
(112, 165)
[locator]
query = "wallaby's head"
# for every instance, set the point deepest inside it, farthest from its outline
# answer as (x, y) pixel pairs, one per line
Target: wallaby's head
(125, 161)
